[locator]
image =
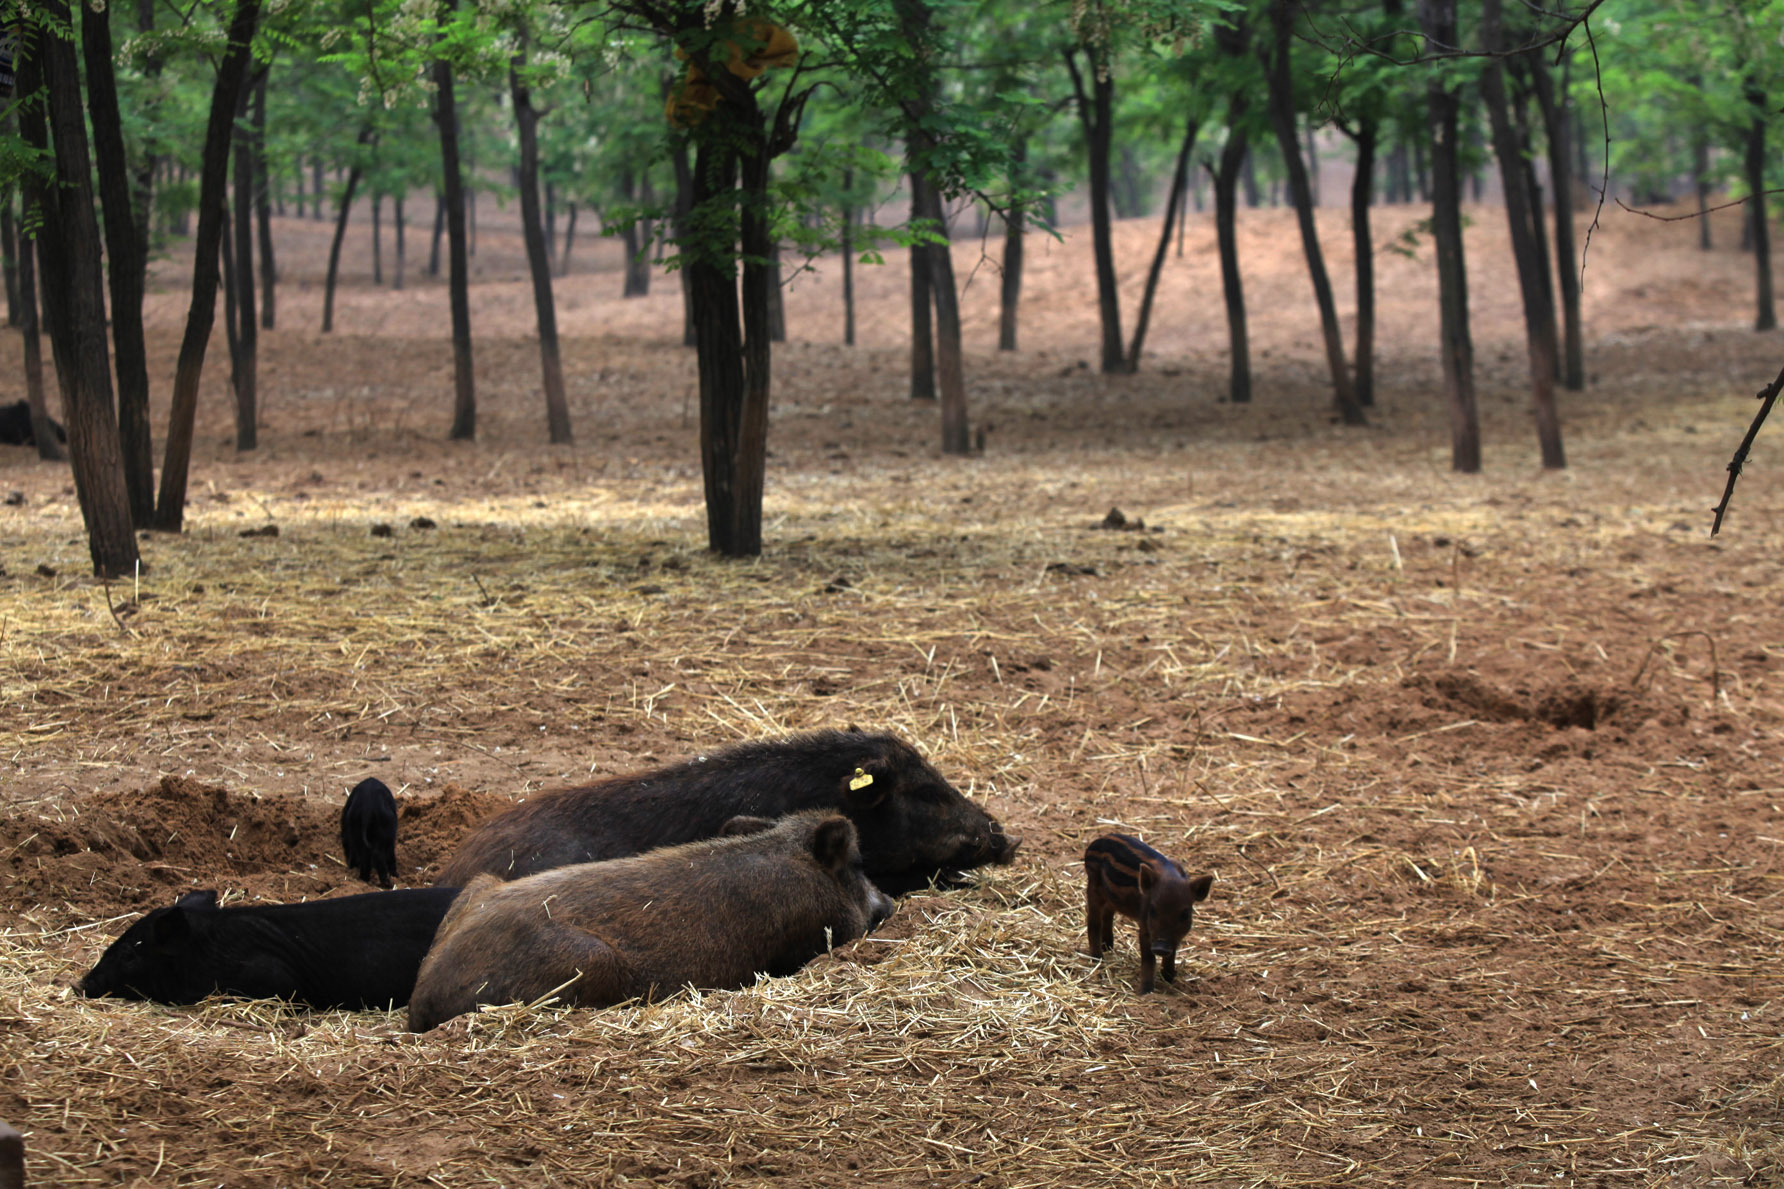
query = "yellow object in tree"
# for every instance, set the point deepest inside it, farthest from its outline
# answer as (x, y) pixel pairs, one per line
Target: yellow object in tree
(690, 100)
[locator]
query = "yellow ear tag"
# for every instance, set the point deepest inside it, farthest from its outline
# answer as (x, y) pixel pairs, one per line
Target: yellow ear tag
(861, 781)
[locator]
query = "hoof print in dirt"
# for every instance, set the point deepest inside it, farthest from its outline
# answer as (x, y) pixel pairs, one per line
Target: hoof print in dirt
(836, 585)
(1073, 569)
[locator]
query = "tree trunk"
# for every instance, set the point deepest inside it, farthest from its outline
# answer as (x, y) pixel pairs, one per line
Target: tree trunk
(1700, 181)
(340, 233)
(684, 203)
(1015, 220)
(433, 254)
(1313, 162)
(1539, 236)
(637, 276)
(464, 408)
(1226, 182)
(1558, 127)
(263, 214)
(396, 217)
(377, 238)
(1538, 321)
(1179, 178)
(74, 297)
(922, 332)
(1443, 106)
(1282, 116)
(49, 446)
(569, 242)
(1362, 186)
(128, 255)
(1767, 318)
(9, 257)
(848, 262)
(170, 507)
(551, 241)
(777, 305)
(1254, 195)
(551, 363)
(1096, 114)
(316, 193)
(950, 361)
(247, 369)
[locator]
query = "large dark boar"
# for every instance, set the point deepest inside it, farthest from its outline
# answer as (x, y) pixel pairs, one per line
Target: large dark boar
(914, 826)
(710, 914)
(358, 952)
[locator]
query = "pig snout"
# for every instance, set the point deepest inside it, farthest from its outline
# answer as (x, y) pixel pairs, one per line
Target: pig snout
(879, 907)
(1003, 846)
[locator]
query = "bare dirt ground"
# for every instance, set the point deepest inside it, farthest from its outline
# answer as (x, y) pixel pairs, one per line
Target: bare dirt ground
(1487, 767)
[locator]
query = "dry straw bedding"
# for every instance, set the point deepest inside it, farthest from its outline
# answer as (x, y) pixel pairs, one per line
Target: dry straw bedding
(1487, 771)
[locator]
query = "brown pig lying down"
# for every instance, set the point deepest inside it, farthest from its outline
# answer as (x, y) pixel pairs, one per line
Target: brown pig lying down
(710, 914)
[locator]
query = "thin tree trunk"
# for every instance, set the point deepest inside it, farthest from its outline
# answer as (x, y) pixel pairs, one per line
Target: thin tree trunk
(1226, 182)
(1313, 162)
(1557, 126)
(569, 242)
(1362, 186)
(950, 361)
(922, 332)
(777, 305)
(74, 297)
(247, 370)
(377, 238)
(848, 261)
(1538, 325)
(170, 506)
(1179, 177)
(49, 446)
(340, 233)
(1520, 113)
(1254, 195)
(263, 214)
(1015, 227)
(551, 242)
(1282, 115)
(551, 363)
(316, 193)
(684, 203)
(433, 254)
(396, 215)
(1767, 318)
(9, 257)
(1700, 181)
(464, 408)
(1443, 106)
(1096, 114)
(128, 255)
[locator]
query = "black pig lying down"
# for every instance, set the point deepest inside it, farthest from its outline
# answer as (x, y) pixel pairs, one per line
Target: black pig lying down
(359, 952)
(913, 825)
(368, 831)
(709, 914)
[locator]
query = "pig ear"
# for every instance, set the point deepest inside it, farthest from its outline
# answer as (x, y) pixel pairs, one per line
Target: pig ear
(1198, 887)
(171, 927)
(866, 787)
(1148, 877)
(743, 823)
(832, 842)
(204, 900)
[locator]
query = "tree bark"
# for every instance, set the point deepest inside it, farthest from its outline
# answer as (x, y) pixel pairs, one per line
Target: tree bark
(263, 213)
(340, 233)
(170, 507)
(777, 305)
(1700, 182)
(1015, 227)
(1538, 322)
(433, 255)
(1557, 126)
(1362, 197)
(922, 330)
(1282, 117)
(1179, 177)
(1226, 182)
(1096, 114)
(9, 257)
(316, 193)
(848, 262)
(684, 202)
(74, 298)
(377, 237)
(464, 407)
(247, 360)
(1443, 107)
(400, 226)
(950, 360)
(127, 250)
(551, 363)
(637, 275)
(49, 446)
(1767, 317)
